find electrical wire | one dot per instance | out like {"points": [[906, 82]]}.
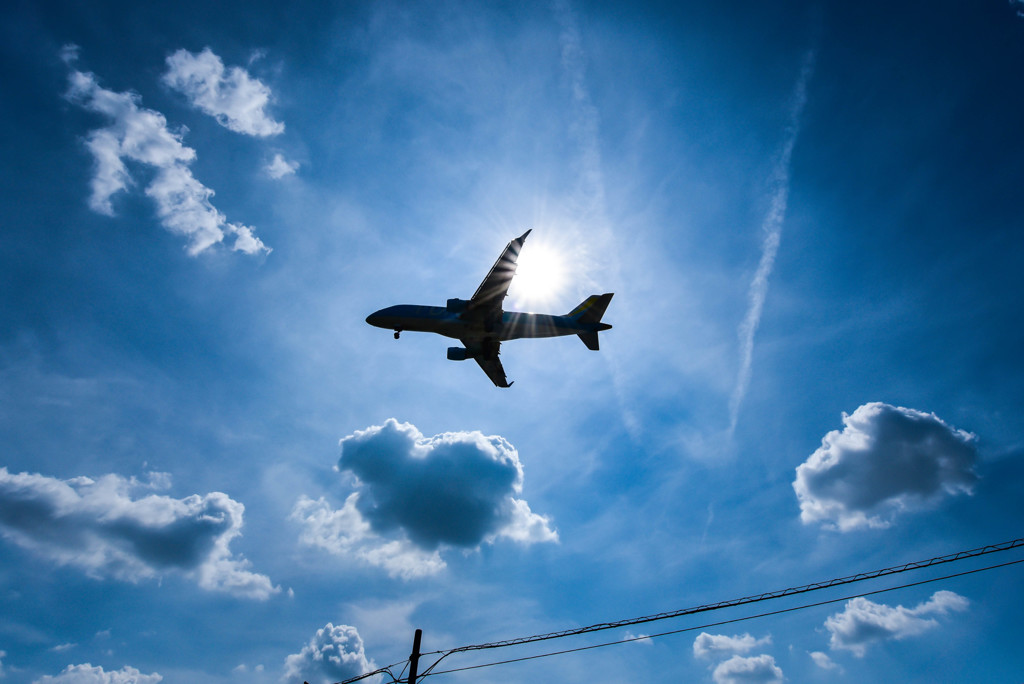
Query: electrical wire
{"points": [[792, 591], [713, 624], [860, 577]]}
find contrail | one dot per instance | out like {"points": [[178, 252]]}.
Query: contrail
{"points": [[772, 228]]}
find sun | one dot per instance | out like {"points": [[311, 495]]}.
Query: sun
{"points": [[540, 276]]}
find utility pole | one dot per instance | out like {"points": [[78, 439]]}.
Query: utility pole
{"points": [[414, 659]]}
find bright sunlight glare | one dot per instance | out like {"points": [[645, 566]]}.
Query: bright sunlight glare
{"points": [[540, 276]]}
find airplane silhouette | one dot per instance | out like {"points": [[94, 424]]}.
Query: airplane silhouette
{"points": [[482, 325]]}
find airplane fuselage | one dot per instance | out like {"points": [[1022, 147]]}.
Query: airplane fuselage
{"points": [[481, 324], [513, 325]]}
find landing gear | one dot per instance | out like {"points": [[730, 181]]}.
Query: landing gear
{"points": [[397, 333]]}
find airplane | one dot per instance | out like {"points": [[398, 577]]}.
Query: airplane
{"points": [[482, 325]]}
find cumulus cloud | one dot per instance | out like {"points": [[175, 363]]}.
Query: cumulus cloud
{"points": [[718, 645], [738, 669], [417, 495], [886, 460], [279, 167], [334, 653], [88, 674], [233, 97], [344, 532], [863, 622], [141, 135], [97, 525]]}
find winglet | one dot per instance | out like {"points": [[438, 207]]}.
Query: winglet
{"points": [[522, 237]]}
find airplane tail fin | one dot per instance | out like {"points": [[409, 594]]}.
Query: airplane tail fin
{"points": [[590, 311]]}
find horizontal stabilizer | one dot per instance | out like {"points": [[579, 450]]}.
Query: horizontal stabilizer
{"points": [[590, 339]]}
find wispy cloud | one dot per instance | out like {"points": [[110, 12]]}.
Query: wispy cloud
{"points": [[417, 495], [141, 135], [886, 460], [279, 167], [585, 124], [100, 526], [864, 622], [824, 662], [771, 227], [233, 97], [334, 653]]}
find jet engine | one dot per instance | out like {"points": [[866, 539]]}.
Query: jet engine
{"points": [[460, 354]]}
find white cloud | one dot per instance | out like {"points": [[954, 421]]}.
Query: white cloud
{"points": [[3, 654], [69, 53], [344, 532], [886, 460], [416, 495], [87, 674], [141, 135], [863, 622], [738, 669], [823, 661], [279, 167], [717, 645], [334, 653], [232, 96], [98, 526]]}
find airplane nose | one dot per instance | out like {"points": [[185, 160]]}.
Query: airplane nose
{"points": [[375, 319]]}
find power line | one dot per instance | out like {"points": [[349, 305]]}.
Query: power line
{"points": [[792, 591], [860, 577], [537, 656]]}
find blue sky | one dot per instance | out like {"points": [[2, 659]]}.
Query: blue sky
{"points": [[214, 470]]}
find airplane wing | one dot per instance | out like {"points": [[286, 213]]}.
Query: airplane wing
{"points": [[485, 353], [489, 296]]}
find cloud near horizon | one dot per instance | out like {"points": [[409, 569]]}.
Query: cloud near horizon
{"points": [[334, 653], [864, 622], [97, 525], [886, 460], [141, 135], [418, 495], [89, 674], [234, 98]]}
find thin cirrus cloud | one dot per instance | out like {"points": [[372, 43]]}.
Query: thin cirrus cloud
{"points": [[335, 653], [772, 229], [140, 135], [98, 525], [95, 674], [885, 461], [234, 98], [416, 496], [864, 622]]}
